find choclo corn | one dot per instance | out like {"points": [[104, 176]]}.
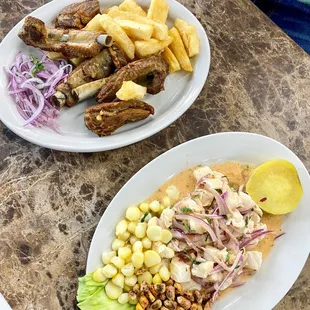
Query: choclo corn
{"points": [[154, 233], [128, 270], [164, 273], [98, 275], [121, 227], [161, 250], [133, 213], [137, 259], [147, 277], [157, 279], [166, 201], [109, 271], [144, 207], [132, 227], [119, 280], [153, 221], [151, 258], [131, 281], [167, 253], [127, 246], [133, 239], [147, 243], [106, 257], [128, 260], [137, 246], [124, 252], [172, 192], [118, 262], [123, 299], [113, 291], [140, 230], [125, 236], [117, 243], [166, 236], [127, 288], [155, 269], [155, 206]]}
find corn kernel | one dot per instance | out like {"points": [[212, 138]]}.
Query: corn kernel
{"points": [[151, 258], [155, 206], [132, 227], [166, 236], [157, 279], [106, 257], [128, 260], [127, 246], [147, 243], [140, 230], [137, 259], [154, 233], [126, 288], [118, 262], [133, 213], [164, 273], [144, 207], [109, 271], [98, 275], [128, 270], [121, 227], [166, 202], [133, 239], [161, 250], [123, 299], [99, 117], [117, 243], [113, 291], [137, 246], [119, 280], [168, 253], [125, 236], [172, 192], [153, 221], [124, 252], [131, 281], [147, 277], [155, 269]]}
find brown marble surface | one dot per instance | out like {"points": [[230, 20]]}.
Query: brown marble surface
{"points": [[52, 201]]}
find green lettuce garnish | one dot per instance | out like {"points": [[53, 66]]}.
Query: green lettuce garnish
{"points": [[91, 296]]}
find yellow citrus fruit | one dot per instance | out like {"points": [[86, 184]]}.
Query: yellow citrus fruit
{"points": [[275, 186]]}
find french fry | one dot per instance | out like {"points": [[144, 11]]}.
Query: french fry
{"points": [[160, 30], [171, 59], [151, 47], [94, 24], [132, 6], [178, 49], [118, 35], [55, 55], [107, 10], [189, 36], [158, 11], [136, 31]]}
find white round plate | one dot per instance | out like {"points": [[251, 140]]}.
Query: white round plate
{"points": [[288, 256], [181, 90]]}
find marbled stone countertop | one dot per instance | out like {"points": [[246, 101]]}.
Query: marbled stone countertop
{"points": [[52, 201]]}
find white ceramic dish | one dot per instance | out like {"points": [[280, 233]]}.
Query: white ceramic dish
{"points": [[181, 90], [287, 258]]}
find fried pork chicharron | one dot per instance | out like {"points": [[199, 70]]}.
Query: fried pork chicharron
{"points": [[88, 71], [71, 43], [105, 118], [77, 15], [150, 72]]}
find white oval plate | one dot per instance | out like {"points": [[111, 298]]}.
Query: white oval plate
{"points": [[182, 89], [287, 258]]}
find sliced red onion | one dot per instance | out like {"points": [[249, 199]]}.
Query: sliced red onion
{"points": [[279, 235], [247, 241], [210, 216]]}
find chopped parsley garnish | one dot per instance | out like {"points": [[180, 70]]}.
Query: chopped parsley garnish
{"points": [[219, 190], [247, 167], [192, 259], [188, 228], [246, 221], [208, 220], [196, 196], [237, 266], [227, 257], [186, 210], [38, 65], [144, 216]]}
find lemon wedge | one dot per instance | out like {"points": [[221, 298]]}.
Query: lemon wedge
{"points": [[275, 186]]}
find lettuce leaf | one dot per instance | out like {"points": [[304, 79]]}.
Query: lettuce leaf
{"points": [[91, 296]]}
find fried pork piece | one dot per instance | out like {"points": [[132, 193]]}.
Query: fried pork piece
{"points": [[150, 72], [90, 70], [105, 118], [118, 56], [77, 15], [71, 43]]}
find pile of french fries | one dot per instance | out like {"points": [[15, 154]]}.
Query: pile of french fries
{"points": [[142, 34]]}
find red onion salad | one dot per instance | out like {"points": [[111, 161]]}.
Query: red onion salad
{"points": [[32, 81], [215, 230]]}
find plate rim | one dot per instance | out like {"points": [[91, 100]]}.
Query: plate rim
{"points": [[302, 168], [98, 144]]}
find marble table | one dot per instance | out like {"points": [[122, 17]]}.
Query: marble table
{"points": [[52, 201]]}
